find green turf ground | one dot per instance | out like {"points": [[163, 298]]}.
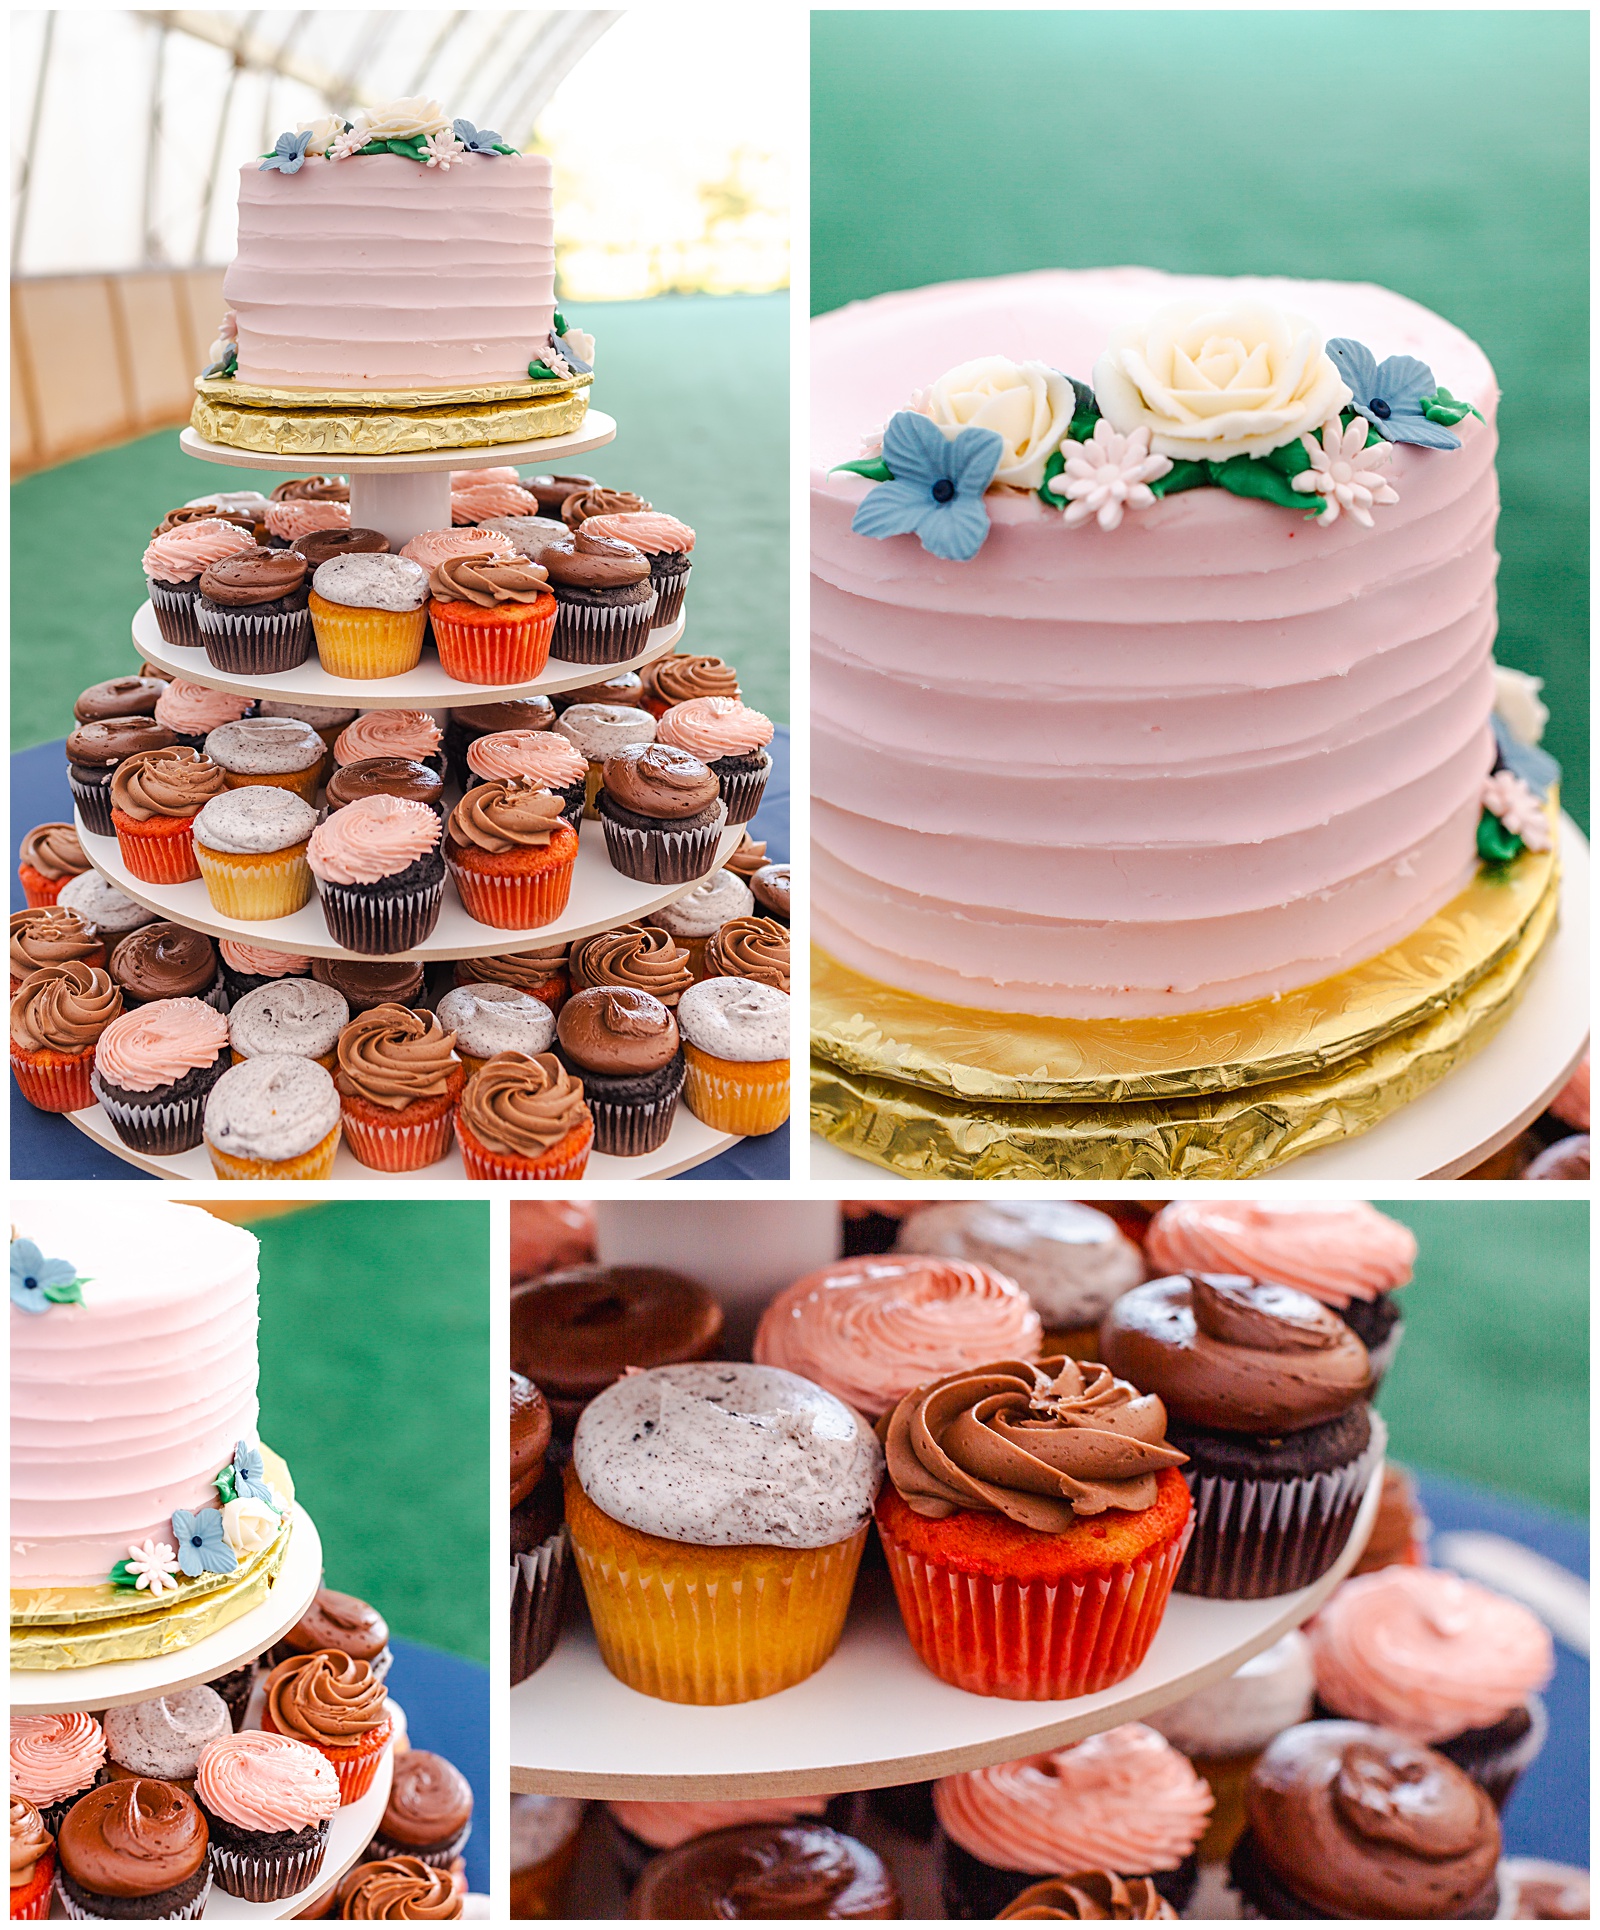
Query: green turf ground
{"points": [[700, 390], [375, 1390], [1441, 154]]}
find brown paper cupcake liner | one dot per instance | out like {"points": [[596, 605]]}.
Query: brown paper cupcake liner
{"points": [[175, 615], [670, 592], [267, 1876], [380, 926], [438, 1856], [160, 1129], [94, 806], [627, 1130], [602, 632], [538, 1594], [246, 645], [742, 792], [662, 857], [188, 1912], [1253, 1539]]}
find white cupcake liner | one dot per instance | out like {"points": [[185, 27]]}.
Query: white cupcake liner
{"points": [[267, 1876], [190, 1912]]}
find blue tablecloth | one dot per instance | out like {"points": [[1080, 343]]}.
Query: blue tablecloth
{"points": [[44, 1146], [446, 1703]]}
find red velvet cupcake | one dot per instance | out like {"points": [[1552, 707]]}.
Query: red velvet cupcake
{"points": [[492, 620], [511, 853], [399, 1078], [48, 856]]}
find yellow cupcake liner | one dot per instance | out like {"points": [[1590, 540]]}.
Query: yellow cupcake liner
{"points": [[708, 1625], [255, 885], [731, 1096], [367, 643], [304, 783], [316, 1164]]}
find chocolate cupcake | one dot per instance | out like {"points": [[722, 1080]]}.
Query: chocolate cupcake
{"points": [[254, 614], [769, 886], [542, 973], [319, 546], [93, 753], [167, 961], [386, 777], [466, 724], [136, 1849], [640, 1831], [666, 543], [541, 1554], [732, 740], [663, 814], [118, 697], [429, 1812], [642, 957], [624, 1045], [379, 867], [605, 602], [769, 1870], [175, 560], [154, 1069], [246, 968], [753, 948], [269, 1802], [625, 691], [366, 982], [581, 506], [550, 492], [1265, 1390], [747, 858], [342, 1622]]}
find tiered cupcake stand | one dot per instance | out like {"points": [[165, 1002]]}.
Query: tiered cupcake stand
{"points": [[402, 495], [110, 1685]]}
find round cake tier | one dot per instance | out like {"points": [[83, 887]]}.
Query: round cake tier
{"points": [[598, 429], [425, 688], [871, 1716], [602, 898]]}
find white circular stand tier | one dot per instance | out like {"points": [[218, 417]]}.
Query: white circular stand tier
{"points": [[871, 1716], [1455, 1125], [425, 688], [602, 899]]}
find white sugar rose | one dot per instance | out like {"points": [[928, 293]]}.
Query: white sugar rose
{"points": [[1030, 405], [581, 342], [1516, 697], [1210, 383], [323, 132], [249, 1525], [404, 120]]}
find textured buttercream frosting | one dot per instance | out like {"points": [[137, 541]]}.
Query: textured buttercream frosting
{"points": [[719, 896], [165, 1736], [487, 1019], [1335, 1250], [735, 1018], [1208, 756], [296, 1016], [1245, 1710], [271, 1107]]}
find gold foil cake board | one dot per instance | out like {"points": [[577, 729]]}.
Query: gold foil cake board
{"points": [[1229, 1135], [866, 1028], [312, 424]]}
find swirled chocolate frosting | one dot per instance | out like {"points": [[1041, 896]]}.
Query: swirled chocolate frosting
{"points": [[393, 1056], [640, 956], [1092, 1896], [399, 1889], [133, 1837], [164, 961], [173, 783], [486, 580], [326, 1697], [597, 500], [49, 935], [617, 1030], [257, 576], [594, 563], [660, 781], [54, 851], [1038, 1442], [525, 971], [674, 680], [1240, 1355], [755, 948], [312, 489], [30, 1840], [522, 1106], [429, 1800], [530, 1436], [748, 859], [63, 1008], [768, 1871], [506, 814]]}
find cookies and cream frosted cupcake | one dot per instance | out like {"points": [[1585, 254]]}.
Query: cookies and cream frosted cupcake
{"points": [[712, 1488], [736, 1043], [753, 948], [529, 535], [273, 1117], [107, 911], [491, 1018], [702, 911], [270, 1803], [165, 1736], [278, 751], [251, 846], [369, 614], [47, 857], [296, 1016], [642, 957]]}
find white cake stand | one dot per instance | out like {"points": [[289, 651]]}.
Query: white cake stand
{"points": [[871, 1716]]}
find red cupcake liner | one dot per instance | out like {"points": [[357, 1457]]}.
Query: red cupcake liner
{"points": [[399, 1145], [37, 889], [1033, 1641], [494, 653], [158, 857], [30, 1901], [511, 902], [565, 1160], [52, 1081]]}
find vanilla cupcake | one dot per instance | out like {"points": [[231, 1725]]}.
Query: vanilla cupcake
{"points": [[736, 1042], [277, 751], [369, 614], [273, 1117], [487, 1019], [251, 847]]}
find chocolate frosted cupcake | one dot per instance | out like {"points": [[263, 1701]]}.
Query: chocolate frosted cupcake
{"points": [[492, 619], [1350, 1821], [769, 885], [429, 1813], [1090, 1896], [366, 982], [748, 857], [342, 1622], [48, 856], [541, 1554], [93, 753], [270, 1803], [729, 737], [166, 961], [523, 1116], [253, 612], [118, 697], [665, 541], [663, 814], [752, 948], [155, 798], [605, 602], [400, 777], [154, 1070], [539, 757], [319, 546], [399, 1078], [51, 935], [1265, 1390], [602, 730], [641, 957], [57, 1016], [542, 973], [510, 853], [769, 1870], [312, 489], [379, 867], [33, 1863], [336, 1704], [641, 1830], [137, 1849], [695, 918], [174, 562], [674, 680], [594, 499], [550, 492], [623, 1044], [400, 1888]]}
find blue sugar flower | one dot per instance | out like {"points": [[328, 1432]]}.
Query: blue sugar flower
{"points": [[479, 140], [37, 1284], [202, 1546], [288, 153], [1390, 394], [936, 487], [249, 1476]]}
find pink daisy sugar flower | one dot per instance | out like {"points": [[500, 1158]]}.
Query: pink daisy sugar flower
{"points": [[1517, 806], [1106, 475], [1345, 473]]}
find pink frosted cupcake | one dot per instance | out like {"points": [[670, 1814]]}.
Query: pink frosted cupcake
{"points": [[390, 733], [154, 1068], [1442, 1661], [729, 737], [1344, 1253], [435, 546], [475, 494], [543, 756], [54, 1759], [379, 867], [289, 521], [871, 1329], [666, 543], [269, 1802], [246, 968], [175, 561], [192, 711]]}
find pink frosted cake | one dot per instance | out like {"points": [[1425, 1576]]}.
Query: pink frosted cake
{"points": [[1151, 667]]}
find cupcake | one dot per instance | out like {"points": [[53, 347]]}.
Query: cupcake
{"points": [[576, 1330], [1123, 1800], [674, 680], [401, 777], [166, 961], [369, 613], [758, 1869], [50, 935], [251, 847], [550, 1234], [475, 494], [33, 1863], [58, 1014], [155, 798], [600, 731], [293, 1018], [695, 918], [871, 1330], [1265, 1390], [93, 753], [623, 1045], [269, 1802], [593, 499], [1438, 1660], [1349, 1821], [166, 1736], [538, 757], [380, 874], [468, 722], [641, 1830], [193, 711], [1070, 1260], [492, 620], [622, 690], [605, 603], [1224, 1727], [366, 982], [540, 1551], [253, 612], [1400, 1532], [134, 1849], [729, 737], [280, 752], [642, 957], [666, 544], [1090, 1895], [118, 697], [343, 1623], [510, 852], [174, 562], [336, 1704], [488, 1019], [435, 546], [155, 1068], [752, 948], [747, 858], [54, 1759], [399, 1078], [390, 733], [1344, 1253], [717, 1515], [273, 1117], [736, 1040], [401, 1887], [311, 489], [663, 814], [47, 858], [246, 968], [769, 885], [524, 1116], [327, 720], [235, 1688], [106, 911], [287, 520], [319, 546], [542, 974], [552, 491], [1034, 1519], [429, 1813], [530, 536]]}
